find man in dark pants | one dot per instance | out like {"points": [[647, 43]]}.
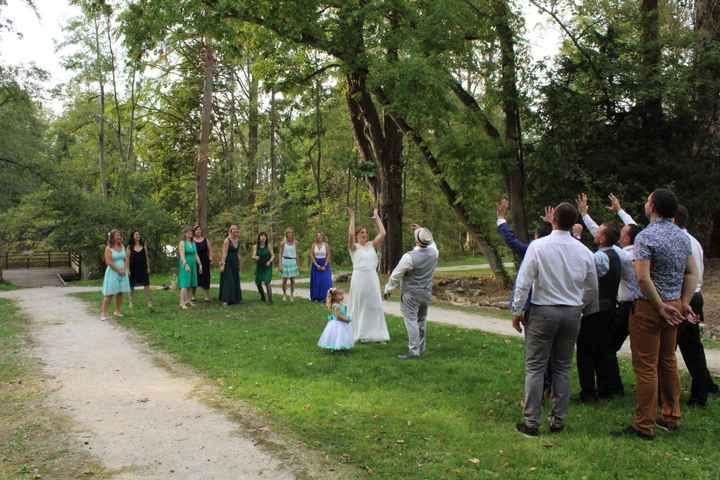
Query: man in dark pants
{"points": [[594, 348], [688, 337]]}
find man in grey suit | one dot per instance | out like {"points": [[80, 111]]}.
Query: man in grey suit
{"points": [[414, 275]]}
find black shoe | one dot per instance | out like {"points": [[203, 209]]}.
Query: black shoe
{"points": [[527, 431], [585, 398], [696, 402], [713, 389], [409, 356], [631, 432], [556, 428], [665, 425]]}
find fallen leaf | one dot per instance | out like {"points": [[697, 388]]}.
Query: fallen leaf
{"points": [[474, 461]]}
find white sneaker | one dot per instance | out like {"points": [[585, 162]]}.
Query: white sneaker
{"points": [[104, 318]]}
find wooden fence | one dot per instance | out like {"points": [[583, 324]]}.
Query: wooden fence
{"points": [[45, 259]]}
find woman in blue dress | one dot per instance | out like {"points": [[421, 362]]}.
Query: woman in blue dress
{"points": [[116, 281], [289, 262], [320, 272]]}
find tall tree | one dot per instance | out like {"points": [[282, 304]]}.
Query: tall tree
{"points": [[201, 193]]}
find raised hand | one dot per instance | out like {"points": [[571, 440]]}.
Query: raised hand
{"points": [[549, 214], [351, 212], [375, 215], [577, 231], [614, 204], [502, 208], [582, 204]]}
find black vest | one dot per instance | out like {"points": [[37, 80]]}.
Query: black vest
{"points": [[609, 283]]}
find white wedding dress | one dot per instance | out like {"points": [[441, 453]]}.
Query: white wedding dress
{"points": [[366, 310]]}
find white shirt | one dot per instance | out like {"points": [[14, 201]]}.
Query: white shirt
{"points": [[629, 289], [698, 255], [405, 265], [561, 271]]}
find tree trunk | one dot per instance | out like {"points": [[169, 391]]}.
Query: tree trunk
{"points": [[253, 139], [319, 133], [131, 129], [201, 194], [514, 164], [651, 99], [118, 112], [104, 185], [478, 231], [707, 74], [380, 143]]}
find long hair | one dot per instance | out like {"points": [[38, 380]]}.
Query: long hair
{"points": [[111, 237], [331, 296], [131, 241], [267, 239], [229, 234]]}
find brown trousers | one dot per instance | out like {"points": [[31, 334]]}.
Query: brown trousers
{"points": [[653, 342]]}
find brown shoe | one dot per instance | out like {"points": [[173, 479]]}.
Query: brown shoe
{"points": [[665, 425]]}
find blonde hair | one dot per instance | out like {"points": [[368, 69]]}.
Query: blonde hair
{"points": [[229, 232], [188, 228], [289, 230], [331, 297], [111, 236]]}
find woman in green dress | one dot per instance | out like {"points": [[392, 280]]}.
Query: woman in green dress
{"points": [[188, 267], [230, 293], [263, 255]]}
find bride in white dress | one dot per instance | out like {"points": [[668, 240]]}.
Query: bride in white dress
{"points": [[366, 308]]}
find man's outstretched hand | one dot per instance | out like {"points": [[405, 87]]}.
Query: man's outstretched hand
{"points": [[502, 208]]}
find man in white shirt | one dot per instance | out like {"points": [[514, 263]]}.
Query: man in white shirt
{"points": [[414, 274], [688, 337], [561, 272]]}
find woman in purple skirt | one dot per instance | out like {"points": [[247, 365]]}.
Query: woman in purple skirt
{"points": [[320, 273]]}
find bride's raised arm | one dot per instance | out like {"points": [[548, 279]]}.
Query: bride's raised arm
{"points": [[351, 230], [377, 242]]}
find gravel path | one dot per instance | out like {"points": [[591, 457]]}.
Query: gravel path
{"points": [[138, 418]]}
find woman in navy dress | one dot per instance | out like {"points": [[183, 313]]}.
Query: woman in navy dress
{"points": [[320, 272], [204, 256]]}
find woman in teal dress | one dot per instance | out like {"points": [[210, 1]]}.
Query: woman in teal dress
{"points": [[263, 255], [230, 293], [116, 281], [187, 268]]}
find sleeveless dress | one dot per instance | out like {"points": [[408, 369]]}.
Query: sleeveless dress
{"points": [[320, 282], [138, 268], [114, 283], [203, 255], [289, 261], [230, 277], [366, 307], [188, 279], [263, 273], [337, 335]]}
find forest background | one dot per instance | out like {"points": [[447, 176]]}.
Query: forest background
{"points": [[275, 114]]}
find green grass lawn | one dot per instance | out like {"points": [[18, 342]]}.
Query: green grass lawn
{"points": [[35, 440], [448, 416], [5, 286]]}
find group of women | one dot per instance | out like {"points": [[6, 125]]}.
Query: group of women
{"points": [[128, 266]]}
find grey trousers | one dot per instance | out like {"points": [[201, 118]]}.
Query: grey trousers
{"points": [[414, 311], [549, 332]]}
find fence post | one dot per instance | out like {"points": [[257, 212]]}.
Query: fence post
{"points": [[49, 261], [7, 260], [27, 262], [80, 265]]}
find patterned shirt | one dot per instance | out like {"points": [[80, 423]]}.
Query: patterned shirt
{"points": [[667, 248]]}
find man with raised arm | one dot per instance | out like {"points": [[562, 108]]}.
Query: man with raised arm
{"points": [[667, 276], [561, 272], [597, 342]]}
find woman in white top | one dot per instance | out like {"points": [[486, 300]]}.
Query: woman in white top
{"points": [[289, 262], [320, 273], [366, 308]]}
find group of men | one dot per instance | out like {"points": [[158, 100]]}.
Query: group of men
{"points": [[645, 283]]}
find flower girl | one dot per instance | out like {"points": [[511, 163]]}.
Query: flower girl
{"points": [[338, 334]]}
